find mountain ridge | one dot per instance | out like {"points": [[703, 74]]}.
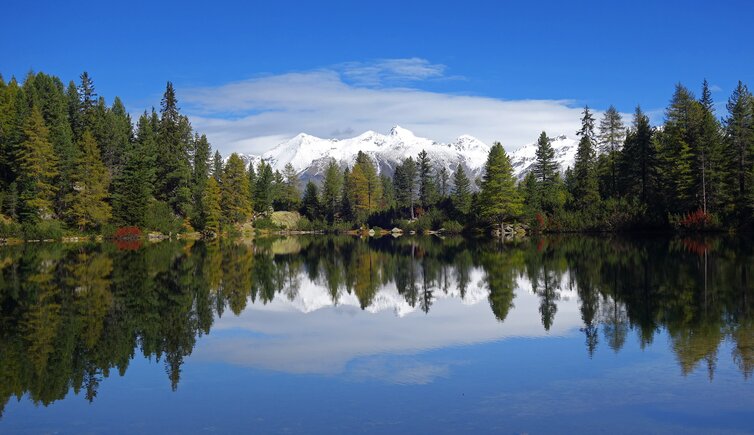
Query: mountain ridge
{"points": [[309, 155]]}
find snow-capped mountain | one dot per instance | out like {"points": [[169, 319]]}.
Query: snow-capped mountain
{"points": [[309, 155], [565, 154]]}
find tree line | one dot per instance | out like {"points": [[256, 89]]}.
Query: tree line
{"points": [[71, 162]]}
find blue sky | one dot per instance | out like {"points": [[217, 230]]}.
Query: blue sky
{"points": [[572, 53]]}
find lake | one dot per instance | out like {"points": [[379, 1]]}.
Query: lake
{"points": [[414, 334]]}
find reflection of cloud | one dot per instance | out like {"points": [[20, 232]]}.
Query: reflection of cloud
{"points": [[279, 336], [404, 372], [253, 115]]}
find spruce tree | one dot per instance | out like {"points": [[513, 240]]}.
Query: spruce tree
{"points": [[739, 150], [235, 191], [426, 183], [201, 173], [291, 190], [263, 189], [442, 181], [211, 210], [585, 190], [88, 206], [678, 143], [405, 181], [173, 143], [461, 195], [252, 180], [86, 107], [133, 186], [710, 159], [611, 138], [310, 206], [217, 167], [499, 198], [332, 188], [38, 168], [638, 160]]}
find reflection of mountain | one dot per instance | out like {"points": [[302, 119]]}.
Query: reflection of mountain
{"points": [[72, 315]]}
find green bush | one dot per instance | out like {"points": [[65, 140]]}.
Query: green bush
{"points": [[160, 218], [9, 229], [43, 230], [452, 227], [265, 223]]}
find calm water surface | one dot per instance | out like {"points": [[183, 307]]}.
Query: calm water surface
{"points": [[341, 335]]}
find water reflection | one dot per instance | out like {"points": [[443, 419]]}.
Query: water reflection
{"points": [[71, 314]]}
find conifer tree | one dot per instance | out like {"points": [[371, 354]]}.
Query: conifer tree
{"points": [[38, 168], [201, 173], [86, 106], [252, 180], [739, 149], [88, 207], [133, 186], [426, 184], [499, 198], [173, 143], [291, 195], [678, 142], [638, 159], [611, 138], [710, 158], [263, 189], [211, 211], [217, 167], [332, 188], [310, 206], [585, 190], [388, 193], [406, 184], [461, 195], [442, 181], [235, 191], [346, 206]]}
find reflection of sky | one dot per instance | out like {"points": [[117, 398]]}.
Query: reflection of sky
{"points": [[302, 366], [279, 336]]}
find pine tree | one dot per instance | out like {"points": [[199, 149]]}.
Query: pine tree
{"points": [[499, 197], [611, 138], [710, 158], [406, 184], [346, 206], [211, 211], [585, 190], [426, 184], [263, 189], [173, 143], [365, 188], [739, 149], [461, 195], [202, 153], [332, 188], [678, 143], [133, 187], [252, 180], [442, 181], [217, 166], [88, 207], [38, 168], [291, 193], [235, 191], [86, 106], [310, 206], [388, 193], [638, 161]]}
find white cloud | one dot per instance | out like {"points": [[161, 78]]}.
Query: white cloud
{"points": [[253, 115]]}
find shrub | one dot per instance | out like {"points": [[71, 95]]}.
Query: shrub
{"points": [[43, 230], [127, 233], [160, 217], [9, 228], [452, 227]]}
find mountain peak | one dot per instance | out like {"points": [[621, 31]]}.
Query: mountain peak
{"points": [[399, 131]]}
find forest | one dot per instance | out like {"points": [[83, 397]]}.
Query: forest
{"points": [[70, 163]]}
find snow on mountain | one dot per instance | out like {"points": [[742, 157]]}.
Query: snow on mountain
{"points": [[565, 154], [309, 155]]}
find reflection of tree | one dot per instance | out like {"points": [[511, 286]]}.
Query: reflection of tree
{"points": [[71, 314]]}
